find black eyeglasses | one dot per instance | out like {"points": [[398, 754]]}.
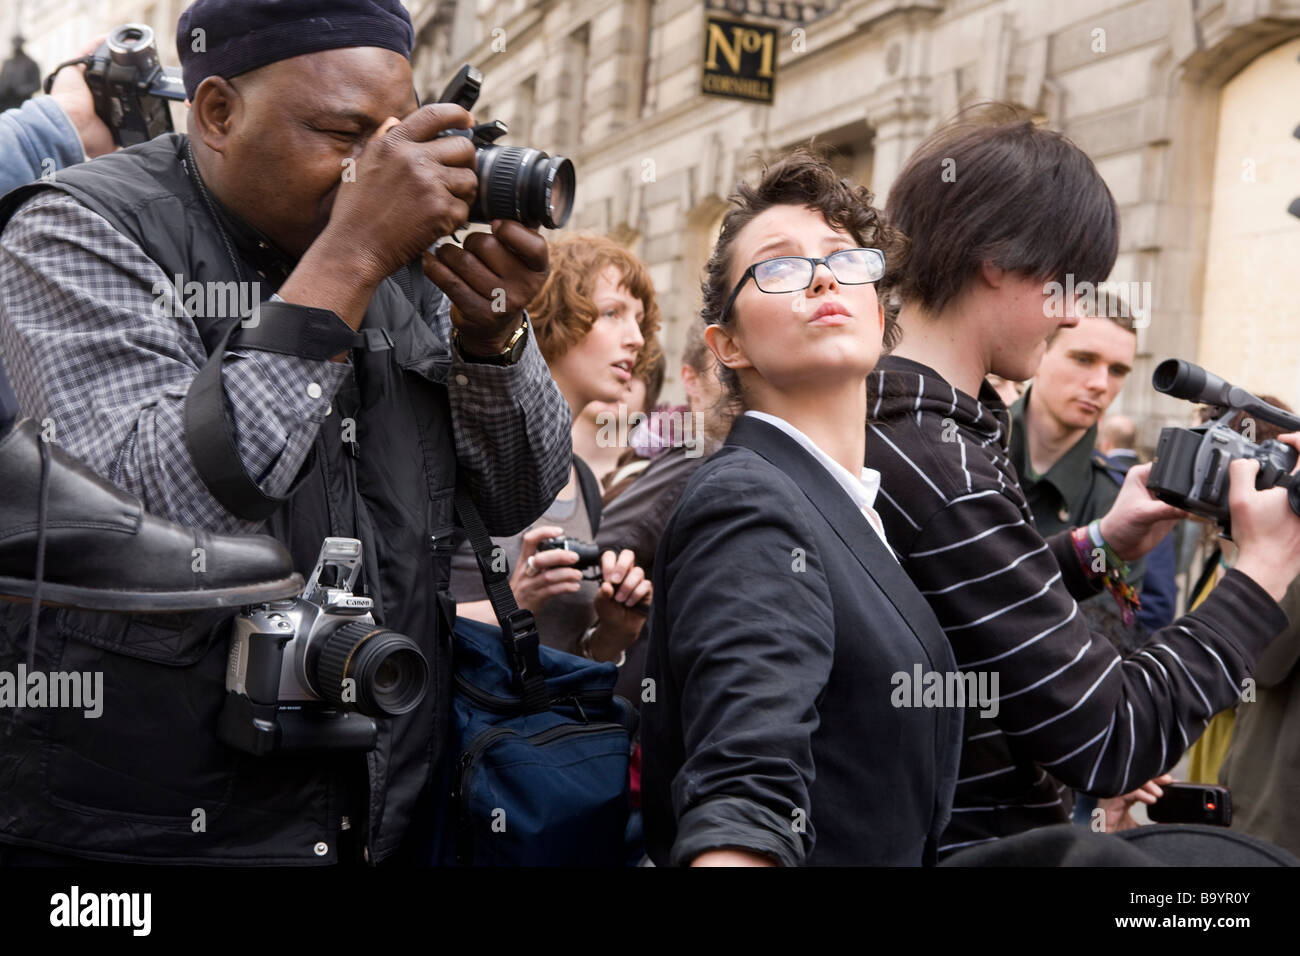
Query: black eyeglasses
{"points": [[794, 273]]}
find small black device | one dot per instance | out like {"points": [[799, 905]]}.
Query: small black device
{"points": [[514, 182], [588, 555], [314, 672], [588, 561], [130, 87], [1193, 803], [1191, 466]]}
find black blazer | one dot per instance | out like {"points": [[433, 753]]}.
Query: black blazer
{"points": [[779, 620]]}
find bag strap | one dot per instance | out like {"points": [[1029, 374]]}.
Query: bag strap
{"points": [[590, 492], [518, 628]]}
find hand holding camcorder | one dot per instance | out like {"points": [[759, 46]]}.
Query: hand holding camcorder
{"points": [[1191, 467]]}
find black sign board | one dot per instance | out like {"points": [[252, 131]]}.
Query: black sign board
{"points": [[739, 60]]}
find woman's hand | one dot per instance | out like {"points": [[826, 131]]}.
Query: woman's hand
{"points": [[617, 621], [539, 576]]}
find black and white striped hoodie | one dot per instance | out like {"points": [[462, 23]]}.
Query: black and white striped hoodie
{"points": [[1070, 707]]}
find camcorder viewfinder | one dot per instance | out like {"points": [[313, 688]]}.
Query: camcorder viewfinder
{"points": [[131, 89], [1191, 466], [514, 182]]}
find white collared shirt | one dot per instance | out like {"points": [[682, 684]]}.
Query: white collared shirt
{"points": [[862, 490]]}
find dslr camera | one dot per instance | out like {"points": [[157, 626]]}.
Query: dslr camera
{"points": [[514, 182], [130, 87], [1191, 467], [315, 672]]}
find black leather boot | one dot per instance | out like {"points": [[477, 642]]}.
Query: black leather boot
{"points": [[70, 538]]}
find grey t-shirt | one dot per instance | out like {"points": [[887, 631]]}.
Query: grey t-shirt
{"points": [[563, 618]]}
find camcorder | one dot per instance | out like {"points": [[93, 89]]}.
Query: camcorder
{"points": [[131, 89], [315, 672], [1191, 465], [514, 182]]}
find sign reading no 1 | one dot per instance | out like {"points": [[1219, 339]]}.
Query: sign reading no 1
{"points": [[739, 60]]}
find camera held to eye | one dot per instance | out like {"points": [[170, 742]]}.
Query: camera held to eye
{"points": [[1191, 467], [313, 673], [514, 182], [130, 87]]}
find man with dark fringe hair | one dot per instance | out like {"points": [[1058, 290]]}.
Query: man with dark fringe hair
{"points": [[995, 210]]}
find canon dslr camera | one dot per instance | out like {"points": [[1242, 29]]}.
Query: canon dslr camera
{"points": [[1191, 467], [315, 672], [514, 182]]}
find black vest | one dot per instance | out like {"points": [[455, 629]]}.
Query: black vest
{"points": [[127, 785]]}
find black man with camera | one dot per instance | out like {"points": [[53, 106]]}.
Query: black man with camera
{"points": [[243, 327]]}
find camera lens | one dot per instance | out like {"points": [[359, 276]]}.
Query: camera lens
{"points": [[389, 674], [518, 182]]}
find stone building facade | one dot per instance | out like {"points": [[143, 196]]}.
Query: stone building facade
{"points": [[1185, 106]]}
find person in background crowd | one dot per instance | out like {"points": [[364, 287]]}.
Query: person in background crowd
{"points": [[637, 507], [603, 433], [48, 133], [1205, 756], [1262, 763], [1117, 440], [681, 435], [977, 296], [1007, 390], [596, 321], [780, 612]]}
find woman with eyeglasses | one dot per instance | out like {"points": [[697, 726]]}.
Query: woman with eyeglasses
{"points": [[786, 641]]}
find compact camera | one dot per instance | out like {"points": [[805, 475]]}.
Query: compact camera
{"points": [[514, 182], [130, 87], [588, 554], [1191, 466], [315, 672]]}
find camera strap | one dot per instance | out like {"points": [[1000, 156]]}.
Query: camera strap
{"points": [[288, 329], [518, 628]]}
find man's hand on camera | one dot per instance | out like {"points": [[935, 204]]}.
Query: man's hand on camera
{"points": [[1138, 521], [409, 189], [70, 91], [490, 279]]}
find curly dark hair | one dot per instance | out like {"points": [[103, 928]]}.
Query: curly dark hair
{"points": [[799, 178]]}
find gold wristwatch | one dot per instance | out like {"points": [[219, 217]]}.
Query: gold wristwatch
{"points": [[509, 355]]}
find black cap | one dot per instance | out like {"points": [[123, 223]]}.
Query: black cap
{"points": [[242, 35]]}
